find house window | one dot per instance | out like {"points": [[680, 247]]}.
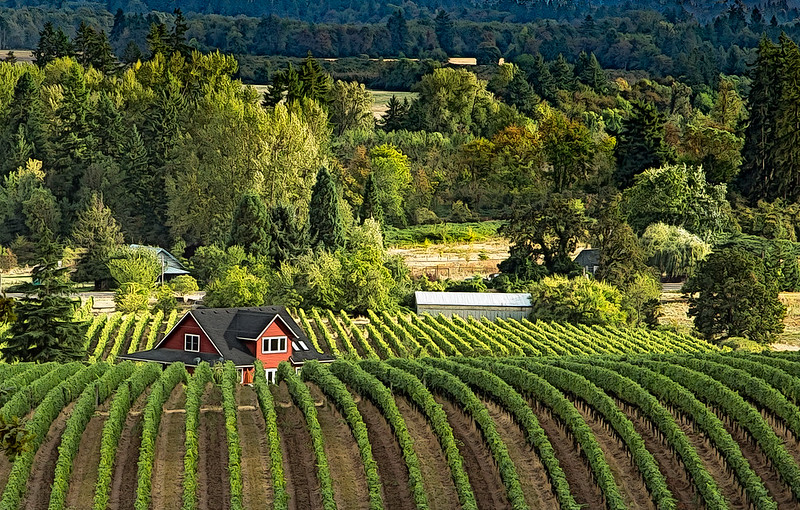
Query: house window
{"points": [[271, 344], [191, 343], [270, 374]]}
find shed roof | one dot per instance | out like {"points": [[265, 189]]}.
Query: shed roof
{"points": [[476, 299], [588, 257], [172, 266]]}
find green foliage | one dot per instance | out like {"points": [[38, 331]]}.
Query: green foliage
{"points": [[326, 225], [136, 271], [229, 381], [350, 106], [97, 232], [14, 437], [733, 294], [251, 225], [453, 100], [267, 405], [578, 301], [672, 250], [183, 284], [641, 143], [165, 299], [236, 287], [45, 328]]}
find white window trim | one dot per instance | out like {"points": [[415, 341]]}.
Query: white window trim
{"points": [[186, 339], [266, 340], [270, 372]]}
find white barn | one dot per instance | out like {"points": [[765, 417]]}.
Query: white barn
{"points": [[476, 304]]}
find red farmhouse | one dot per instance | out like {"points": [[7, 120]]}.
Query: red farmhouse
{"points": [[241, 335]]}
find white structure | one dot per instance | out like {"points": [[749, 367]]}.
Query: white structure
{"points": [[476, 304]]}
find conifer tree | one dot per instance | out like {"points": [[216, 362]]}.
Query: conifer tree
{"points": [[562, 73], [589, 72], [23, 136], [326, 226], [398, 31], [177, 38], [157, 39], [250, 225], [45, 328], [53, 44], [786, 181], [758, 153], [542, 80], [97, 232], [288, 236], [315, 82], [641, 144], [396, 116], [445, 33], [371, 205]]}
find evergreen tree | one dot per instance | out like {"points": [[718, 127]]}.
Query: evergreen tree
{"points": [[324, 215], [445, 32], [135, 171], [157, 39], [101, 56], [589, 72], [398, 32], [396, 116], [23, 136], [288, 236], [250, 226], [315, 82], [132, 53], [53, 44], [84, 37], [786, 148], [542, 80], [98, 234], [641, 144], [562, 73], [371, 205], [177, 38], [45, 328], [758, 153], [118, 28]]}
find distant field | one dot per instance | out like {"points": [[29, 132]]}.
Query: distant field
{"points": [[379, 98]]}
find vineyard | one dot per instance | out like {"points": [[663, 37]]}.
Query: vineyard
{"points": [[384, 336], [710, 430]]}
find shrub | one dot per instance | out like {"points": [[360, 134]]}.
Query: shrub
{"points": [[578, 301]]}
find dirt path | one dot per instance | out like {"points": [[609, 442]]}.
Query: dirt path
{"points": [[40, 481], [761, 465], [84, 467], [347, 468], [386, 451], [167, 488], [715, 464], [532, 475], [298, 459], [626, 474], [123, 481], [576, 469], [484, 476], [256, 478], [212, 465], [678, 481]]}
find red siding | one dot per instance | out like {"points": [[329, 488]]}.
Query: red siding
{"points": [[277, 328], [187, 325]]}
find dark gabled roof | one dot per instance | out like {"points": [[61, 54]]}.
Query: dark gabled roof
{"points": [[588, 257]]}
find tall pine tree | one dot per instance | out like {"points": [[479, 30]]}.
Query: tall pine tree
{"points": [[288, 236], [641, 144], [326, 225], [250, 226], [98, 234], [371, 205]]}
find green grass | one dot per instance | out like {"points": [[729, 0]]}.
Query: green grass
{"points": [[442, 233]]}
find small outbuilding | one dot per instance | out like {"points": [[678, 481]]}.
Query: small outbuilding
{"points": [[491, 305], [589, 260], [170, 265]]}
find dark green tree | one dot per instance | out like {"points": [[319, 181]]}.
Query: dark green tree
{"points": [[445, 33], [542, 80], [398, 32], [250, 226], [98, 234], [589, 72], [46, 329], [488, 54], [641, 144], [326, 225], [24, 136], [732, 294], [177, 38], [53, 44], [396, 116], [132, 53], [562, 73], [371, 205], [288, 235], [158, 40], [315, 82]]}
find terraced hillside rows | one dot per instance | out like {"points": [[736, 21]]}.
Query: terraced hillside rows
{"points": [[384, 336], [707, 430]]}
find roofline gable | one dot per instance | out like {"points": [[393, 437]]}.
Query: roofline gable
{"points": [[277, 316], [198, 325]]}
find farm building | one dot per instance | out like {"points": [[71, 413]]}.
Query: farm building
{"points": [[589, 260], [491, 305], [241, 335], [170, 265]]}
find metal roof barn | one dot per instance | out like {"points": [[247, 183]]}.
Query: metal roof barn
{"points": [[474, 304]]}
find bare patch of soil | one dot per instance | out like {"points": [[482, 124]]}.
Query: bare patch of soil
{"points": [[123, 481], [84, 466], [436, 474], [532, 475], [484, 476], [669, 463], [40, 481], [576, 469], [299, 464], [387, 454], [256, 478], [347, 468], [626, 474], [167, 488], [212, 465]]}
